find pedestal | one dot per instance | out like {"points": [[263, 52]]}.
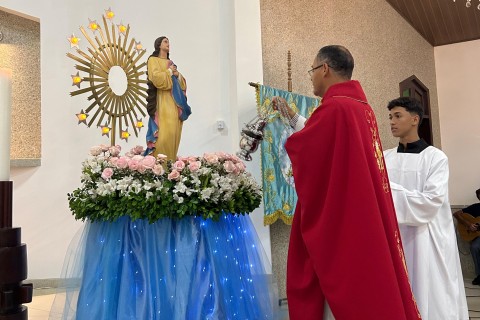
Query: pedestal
{"points": [[13, 262]]}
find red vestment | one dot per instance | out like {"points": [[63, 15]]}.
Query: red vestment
{"points": [[345, 245]]}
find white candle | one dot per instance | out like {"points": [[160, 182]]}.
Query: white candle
{"points": [[5, 116]]}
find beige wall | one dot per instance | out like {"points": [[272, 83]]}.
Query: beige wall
{"points": [[20, 51], [386, 50], [458, 70]]}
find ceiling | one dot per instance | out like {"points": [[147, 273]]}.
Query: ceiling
{"points": [[441, 22]]}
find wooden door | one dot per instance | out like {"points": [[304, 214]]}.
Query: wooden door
{"points": [[414, 88]]}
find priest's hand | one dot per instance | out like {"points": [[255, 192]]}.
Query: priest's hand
{"points": [[281, 105]]}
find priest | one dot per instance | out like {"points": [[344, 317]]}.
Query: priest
{"points": [[345, 258], [418, 176]]}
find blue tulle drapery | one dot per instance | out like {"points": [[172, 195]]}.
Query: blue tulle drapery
{"points": [[171, 269]]}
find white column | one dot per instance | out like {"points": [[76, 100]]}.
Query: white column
{"points": [[5, 116], [248, 53]]}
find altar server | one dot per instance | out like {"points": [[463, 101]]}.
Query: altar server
{"points": [[418, 176]]}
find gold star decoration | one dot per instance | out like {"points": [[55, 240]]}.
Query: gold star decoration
{"points": [[122, 28], [139, 124], [124, 135], [92, 25], [109, 14], [73, 41], [112, 114], [76, 80], [138, 46], [105, 130], [82, 117]]}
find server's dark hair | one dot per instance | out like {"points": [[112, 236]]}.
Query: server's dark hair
{"points": [[410, 104]]}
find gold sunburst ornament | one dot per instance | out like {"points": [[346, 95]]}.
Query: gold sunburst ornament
{"points": [[111, 58]]}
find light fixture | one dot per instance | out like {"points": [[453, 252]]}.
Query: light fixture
{"points": [[468, 4]]}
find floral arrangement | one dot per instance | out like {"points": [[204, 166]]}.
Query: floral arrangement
{"points": [[147, 187]]}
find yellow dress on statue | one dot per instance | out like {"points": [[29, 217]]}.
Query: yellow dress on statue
{"points": [[169, 124]]}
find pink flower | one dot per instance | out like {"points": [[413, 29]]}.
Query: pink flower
{"points": [[107, 173], [129, 154], [240, 166], [194, 165], [158, 170], [137, 150], [211, 158], [161, 157], [104, 147], [114, 151], [179, 165], [192, 159], [229, 166], [113, 160], [174, 175], [122, 162], [95, 151], [133, 164], [137, 157], [236, 159], [184, 159], [221, 155], [149, 162], [141, 168]]}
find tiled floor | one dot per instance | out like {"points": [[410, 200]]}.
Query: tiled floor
{"points": [[43, 299], [39, 308], [473, 299]]}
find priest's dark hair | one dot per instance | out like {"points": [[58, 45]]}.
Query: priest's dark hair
{"points": [[152, 90], [338, 58], [410, 104]]}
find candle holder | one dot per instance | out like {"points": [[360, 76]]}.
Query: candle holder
{"points": [[13, 266]]}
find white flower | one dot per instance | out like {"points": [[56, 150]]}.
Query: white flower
{"points": [[135, 187], [148, 185], [103, 189], [96, 168], [196, 181], [204, 171], [206, 193], [177, 198], [180, 187], [158, 185], [148, 194]]}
